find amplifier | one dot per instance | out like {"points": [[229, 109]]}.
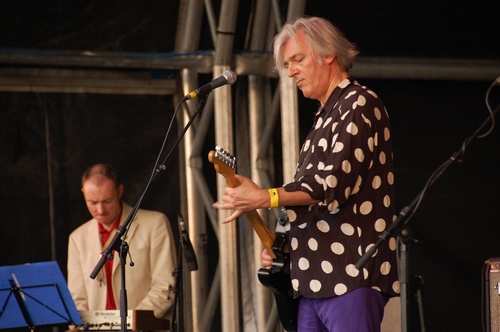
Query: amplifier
{"points": [[492, 282]]}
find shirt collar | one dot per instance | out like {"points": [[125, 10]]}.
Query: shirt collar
{"points": [[115, 224], [334, 96]]}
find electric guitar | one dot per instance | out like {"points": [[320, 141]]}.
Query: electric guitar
{"points": [[277, 278]]}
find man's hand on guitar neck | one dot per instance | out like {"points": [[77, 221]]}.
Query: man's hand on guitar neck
{"points": [[246, 197], [267, 260]]}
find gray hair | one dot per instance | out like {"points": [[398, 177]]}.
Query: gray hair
{"points": [[323, 38]]}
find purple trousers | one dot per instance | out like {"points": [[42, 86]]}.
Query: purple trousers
{"points": [[360, 310]]}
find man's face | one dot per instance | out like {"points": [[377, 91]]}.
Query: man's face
{"points": [[103, 200], [311, 75]]}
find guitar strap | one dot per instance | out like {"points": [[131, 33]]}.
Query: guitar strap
{"points": [[281, 225], [282, 218], [329, 104]]}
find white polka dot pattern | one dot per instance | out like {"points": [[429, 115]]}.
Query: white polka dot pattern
{"points": [[337, 248], [313, 244], [340, 289], [350, 173], [327, 267], [315, 285], [303, 264]]}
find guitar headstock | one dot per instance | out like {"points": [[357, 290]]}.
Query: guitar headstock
{"points": [[224, 162]]}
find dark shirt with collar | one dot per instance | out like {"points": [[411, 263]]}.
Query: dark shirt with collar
{"points": [[346, 162]]}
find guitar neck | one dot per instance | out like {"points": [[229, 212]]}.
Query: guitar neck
{"points": [[226, 168], [266, 237]]}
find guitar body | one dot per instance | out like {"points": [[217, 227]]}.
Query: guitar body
{"points": [[277, 278]]}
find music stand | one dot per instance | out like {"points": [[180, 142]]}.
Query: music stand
{"points": [[35, 295]]}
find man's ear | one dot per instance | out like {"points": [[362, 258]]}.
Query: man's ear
{"points": [[120, 190], [329, 59]]}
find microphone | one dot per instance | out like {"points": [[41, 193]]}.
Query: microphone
{"points": [[228, 77], [187, 247]]}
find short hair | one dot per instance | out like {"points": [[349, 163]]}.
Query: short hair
{"points": [[104, 170], [323, 38]]}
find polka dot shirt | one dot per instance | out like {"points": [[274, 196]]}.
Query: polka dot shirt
{"points": [[350, 171]]}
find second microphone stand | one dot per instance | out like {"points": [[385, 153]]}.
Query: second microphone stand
{"points": [[398, 227], [186, 251]]}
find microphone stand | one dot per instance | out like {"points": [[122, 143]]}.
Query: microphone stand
{"points": [[404, 235], [116, 244], [178, 293], [186, 251], [123, 291]]}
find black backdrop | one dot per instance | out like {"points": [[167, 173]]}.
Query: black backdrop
{"points": [[68, 133], [455, 229]]}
